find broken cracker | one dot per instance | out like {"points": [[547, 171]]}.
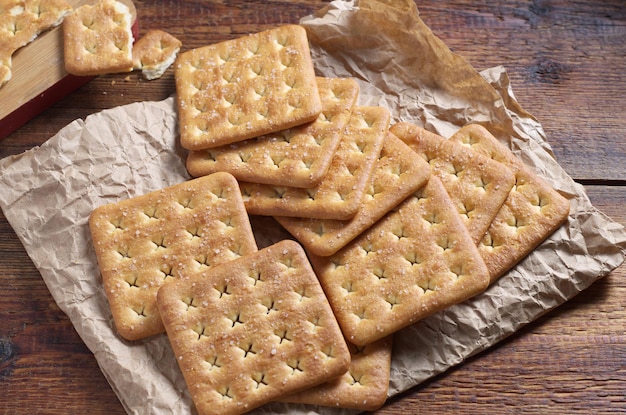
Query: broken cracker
{"points": [[477, 185], [154, 52], [417, 260], [21, 21], [532, 211], [246, 87], [296, 157], [97, 39], [339, 194], [398, 173], [147, 241], [364, 386], [253, 330]]}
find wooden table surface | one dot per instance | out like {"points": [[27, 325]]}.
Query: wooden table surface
{"points": [[567, 63]]}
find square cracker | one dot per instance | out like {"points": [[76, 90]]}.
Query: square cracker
{"points": [[339, 194], [253, 330], [154, 52], [532, 211], [398, 173], [246, 87], [147, 241], [417, 260], [97, 39], [364, 386], [296, 157], [477, 185]]}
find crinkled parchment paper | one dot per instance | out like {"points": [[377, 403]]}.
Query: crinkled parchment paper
{"points": [[47, 194]]}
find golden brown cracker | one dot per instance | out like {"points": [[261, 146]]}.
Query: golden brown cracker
{"points": [[398, 173], [417, 260], [253, 330], [97, 39], [477, 185], [339, 194], [296, 157], [364, 386], [532, 211], [154, 52], [245, 87], [144, 242], [21, 21]]}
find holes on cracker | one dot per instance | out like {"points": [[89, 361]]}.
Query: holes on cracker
{"points": [[295, 366], [190, 302], [283, 336], [213, 363], [348, 286], [413, 258], [123, 251], [195, 232], [131, 280], [392, 301], [225, 392], [426, 286], [445, 243], [203, 260], [200, 331], [380, 273], [248, 349], [223, 290], [329, 351], [270, 305], [356, 379], [259, 379], [255, 276], [159, 243], [167, 271], [141, 311], [302, 293], [117, 223], [235, 319]]}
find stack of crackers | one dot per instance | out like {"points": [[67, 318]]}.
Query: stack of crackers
{"points": [[390, 222]]}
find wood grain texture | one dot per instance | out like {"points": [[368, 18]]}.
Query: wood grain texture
{"points": [[567, 64]]}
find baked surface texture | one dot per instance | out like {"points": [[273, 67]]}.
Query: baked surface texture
{"points": [[339, 194], [147, 241], [97, 39], [364, 386], [296, 157], [417, 260], [398, 173], [21, 21], [154, 52], [246, 87], [477, 184], [532, 211], [255, 329]]}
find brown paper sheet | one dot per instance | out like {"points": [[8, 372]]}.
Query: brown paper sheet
{"points": [[47, 194]]}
